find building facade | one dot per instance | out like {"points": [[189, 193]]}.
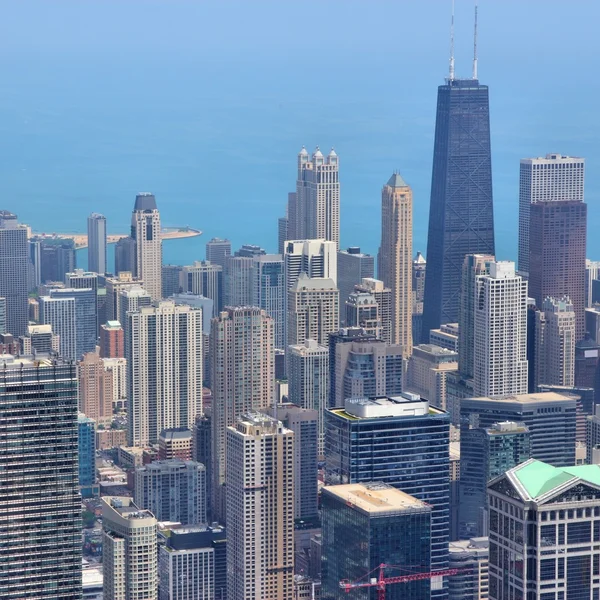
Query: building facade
{"points": [[205, 279], [96, 226], [383, 297], [95, 389], [59, 314], [217, 251], [352, 267]]}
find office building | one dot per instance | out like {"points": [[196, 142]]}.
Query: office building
{"points": [[40, 340], [314, 210], [171, 276], [383, 297], [587, 365], [164, 370], [282, 226], [395, 262], [352, 267], [83, 280], [557, 239], [548, 415], [87, 455], [471, 557], [95, 389], [40, 503], [563, 506], [362, 310], [445, 337], [592, 273], [129, 550], [175, 443], [205, 279], [260, 509], [112, 340], [474, 266], [500, 332], [592, 323], [553, 178], [14, 257], [313, 310], [243, 376], [54, 257], [125, 256], [555, 343], [408, 448], [366, 525], [172, 490], [461, 215], [308, 380], [59, 314], [217, 251], [427, 370], [486, 453], [192, 563], [146, 232], [96, 226]]}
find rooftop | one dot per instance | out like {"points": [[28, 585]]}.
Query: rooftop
{"points": [[403, 405], [396, 181], [534, 398], [144, 201]]}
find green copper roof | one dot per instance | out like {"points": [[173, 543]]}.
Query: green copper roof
{"points": [[396, 181], [539, 478]]}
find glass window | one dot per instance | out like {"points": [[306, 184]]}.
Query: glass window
{"points": [[579, 533]]}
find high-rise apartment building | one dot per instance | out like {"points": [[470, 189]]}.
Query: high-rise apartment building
{"points": [[268, 291], [238, 275], [360, 436], [366, 525], [314, 210], [164, 370], [315, 258], [418, 282], [95, 389], [217, 251], [553, 178], [557, 239], [14, 256], [243, 379], [383, 297], [205, 279], [500, 332], [86, 445], [562, 507], [146, 232], [461, 215], [486, 453], [171, 280], [474, 265], [173, 490], [40, 504], [112, 340], [548, 415], [352, 267], [260, 509], [96, 226], [555, 343], [131, 299], [114, 286], [175, 443], [362, 310], [59, 314], [471, 557], [129, 550], [125, 256], [395, 262]]}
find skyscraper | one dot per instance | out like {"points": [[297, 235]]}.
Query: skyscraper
{"points": [[163, 349], [260, 509], [146, 232], [461, 216], [217, 251], [268, 291], [243, 374], [40, 504], [500, 332], [96, 226], [125, 256], [315, 258], [114, 286], [86, 445], [592, 273], [472, 558], [557, 239], [83, 280], [112, 340], [13, 272], [553, 178], [362, 310], [383, 297], [171, 278], [205, 279], [59, 313], [95, 389], [395, 262], [131, 299], [418, 283], [314, 210], [352, 266]]}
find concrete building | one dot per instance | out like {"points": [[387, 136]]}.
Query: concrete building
{"points": [[217, 251], [114, 286], [472, 558], [59, 314], [173, 490], [95, 389], [175, 443], [315, 258], [96, 226], [238, 280], [40, 503], [427, 370], [243, 379], [129, 550], [446, 336], [125, 250], [112, 340], [260, 509], [146, 232], [395, 262], [366, 525], [164, 369], [171, 280], [562, 505], [362, 310], [268, 291], [205, 279], [40, 340], [383, 297], [117, 367], [352, 267]]}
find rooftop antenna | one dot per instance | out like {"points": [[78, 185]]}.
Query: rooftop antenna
{"points": [[475, 45], [451, 75]]}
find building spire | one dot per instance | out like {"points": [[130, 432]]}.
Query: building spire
{"points": [[451, 74], [475, 45]]}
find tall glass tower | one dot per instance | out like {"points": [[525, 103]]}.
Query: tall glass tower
{"points": [[461, 217]]}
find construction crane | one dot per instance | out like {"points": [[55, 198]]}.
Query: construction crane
{"points": [[381, 581]]}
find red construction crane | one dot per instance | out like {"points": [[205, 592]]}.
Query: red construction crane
{"points": [[381, 581]]}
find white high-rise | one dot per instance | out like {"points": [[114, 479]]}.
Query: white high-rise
{"points": [[60, 314], [500, 332], [96, 225], [163, 349], [316, 258], [146, 232], [260, 509], [553, 178]]}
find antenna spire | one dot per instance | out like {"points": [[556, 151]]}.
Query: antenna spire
{"points": [[451, 74], [475, 45]]}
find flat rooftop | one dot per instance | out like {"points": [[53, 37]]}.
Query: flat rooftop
{"points": [[534, 398], [403, 405], [375, 498]]}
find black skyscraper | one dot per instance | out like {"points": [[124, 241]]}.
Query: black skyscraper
{"points": [[461, 218]]}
